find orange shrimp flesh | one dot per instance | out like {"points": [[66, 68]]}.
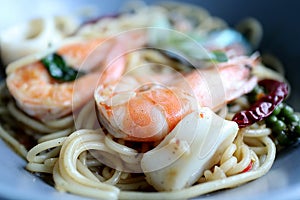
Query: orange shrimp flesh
{"points": [[44, 98], [149, 111], [75, 54], [214, 87]]}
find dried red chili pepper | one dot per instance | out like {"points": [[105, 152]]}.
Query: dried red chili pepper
{"points": [[277, 91]]}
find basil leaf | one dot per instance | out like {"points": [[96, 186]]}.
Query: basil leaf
{"points": [[57, 68]]}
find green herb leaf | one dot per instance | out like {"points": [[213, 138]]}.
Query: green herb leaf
{"points": [[58, 69]]}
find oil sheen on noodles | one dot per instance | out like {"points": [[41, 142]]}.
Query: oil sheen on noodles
{"points": [[67, 152]]}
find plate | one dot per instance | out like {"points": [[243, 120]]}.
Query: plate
{"points": [[282, 181]]}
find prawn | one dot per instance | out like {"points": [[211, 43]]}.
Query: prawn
{"points": [[143, 109], [41, 96]]}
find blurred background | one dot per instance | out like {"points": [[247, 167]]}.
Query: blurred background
{"points": [[280, 21]]}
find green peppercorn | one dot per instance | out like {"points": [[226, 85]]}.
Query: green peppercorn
{"points": [[279, 126], [292, 118], [297, 130], [271, 120], [287, 111], [276, 110], [283, 139]]}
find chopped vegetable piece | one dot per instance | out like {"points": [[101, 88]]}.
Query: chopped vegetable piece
{"points": [[58, 69]]}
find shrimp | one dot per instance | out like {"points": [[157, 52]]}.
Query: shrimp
{"points": [[141, 109], [43, 97], [75, 54]]}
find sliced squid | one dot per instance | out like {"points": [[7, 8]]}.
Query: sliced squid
{"points": [[194, 145]]}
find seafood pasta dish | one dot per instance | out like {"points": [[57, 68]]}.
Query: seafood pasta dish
{"points": [[158, 101]]}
